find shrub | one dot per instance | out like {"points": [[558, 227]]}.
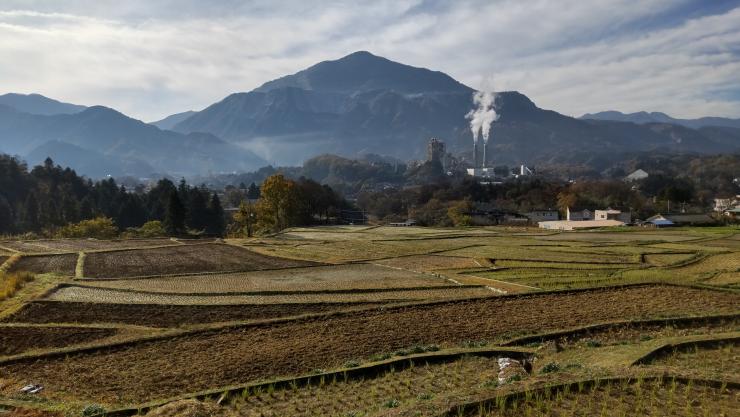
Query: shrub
{"points": [[391, 403], [474, 343], [153, 228], [100, 228], [351, 364], [93, 410], [380, 357], [593, 343], [550, 367]]}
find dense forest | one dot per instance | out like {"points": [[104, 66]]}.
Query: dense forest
{"points": [[48, 198]]}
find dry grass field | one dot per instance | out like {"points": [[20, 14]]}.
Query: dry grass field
{"points": [[410, 311]]}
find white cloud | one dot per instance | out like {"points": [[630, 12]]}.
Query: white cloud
{"points": [[153, 58]]}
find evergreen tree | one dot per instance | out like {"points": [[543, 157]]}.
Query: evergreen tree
{"points": [[7, 220], [198, 215], [174, 220], [86, 209], [217, 221], [253, 192], [30, 214]]}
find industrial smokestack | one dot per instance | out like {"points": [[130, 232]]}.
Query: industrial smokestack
{"points": [[481, 119], [475, 153], [485, 145]]}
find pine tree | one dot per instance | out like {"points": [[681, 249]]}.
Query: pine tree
{"points": [[86, 208], [174, 220], [217, 221], [253, 192], [7, 221], [30, 213], [198, 215]]}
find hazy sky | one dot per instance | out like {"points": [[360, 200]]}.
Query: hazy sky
{"points": [[151, 58]]}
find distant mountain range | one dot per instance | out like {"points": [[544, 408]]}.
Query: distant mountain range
{"points": [[358, 104], [38, 104], [170, 121], [658, 117], [100, 141]]}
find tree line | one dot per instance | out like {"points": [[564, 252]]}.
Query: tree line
{"points": [[55, 201], [49, 197]]}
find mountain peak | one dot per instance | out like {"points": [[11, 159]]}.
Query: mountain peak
{"points": [[37, 104], [362, 71]]}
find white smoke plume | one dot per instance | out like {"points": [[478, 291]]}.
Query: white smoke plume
{"points": [[482, 117]]}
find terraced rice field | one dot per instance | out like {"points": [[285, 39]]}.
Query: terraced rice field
{"points": [[19, 339], [432, 262], [615, 399], [319, 278], [181, 259], [666, 259], [730, 279], [513, 253], [103, 295], [223, 357], [405, 389], [612, 237], [720, 361], [167, 315], [168, 318], [63, 264]]}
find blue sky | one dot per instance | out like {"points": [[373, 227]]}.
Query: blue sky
{"points": [[152, 58]]}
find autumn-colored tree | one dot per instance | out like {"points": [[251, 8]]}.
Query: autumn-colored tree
{"points": [[278, 206], [459, 213], [244, 219]]}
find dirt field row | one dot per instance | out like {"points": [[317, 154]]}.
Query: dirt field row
{"points": [[181, 259], [159, 315], [14, 340], [321, 278], [103, 295], [166, 367]]}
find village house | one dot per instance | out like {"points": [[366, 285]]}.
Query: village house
{"points": [[613, 214], [636, 176], [578, 214], [536, 216]]}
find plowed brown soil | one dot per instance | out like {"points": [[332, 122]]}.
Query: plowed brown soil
{"points": [[59, 264], [182, 259], [159, 315], [161, 368], [14, 340]]}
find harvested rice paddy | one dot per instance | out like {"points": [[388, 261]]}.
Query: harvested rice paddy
{"points": [[211, 257], [120, 322], [319, 278], [103, 295]]}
